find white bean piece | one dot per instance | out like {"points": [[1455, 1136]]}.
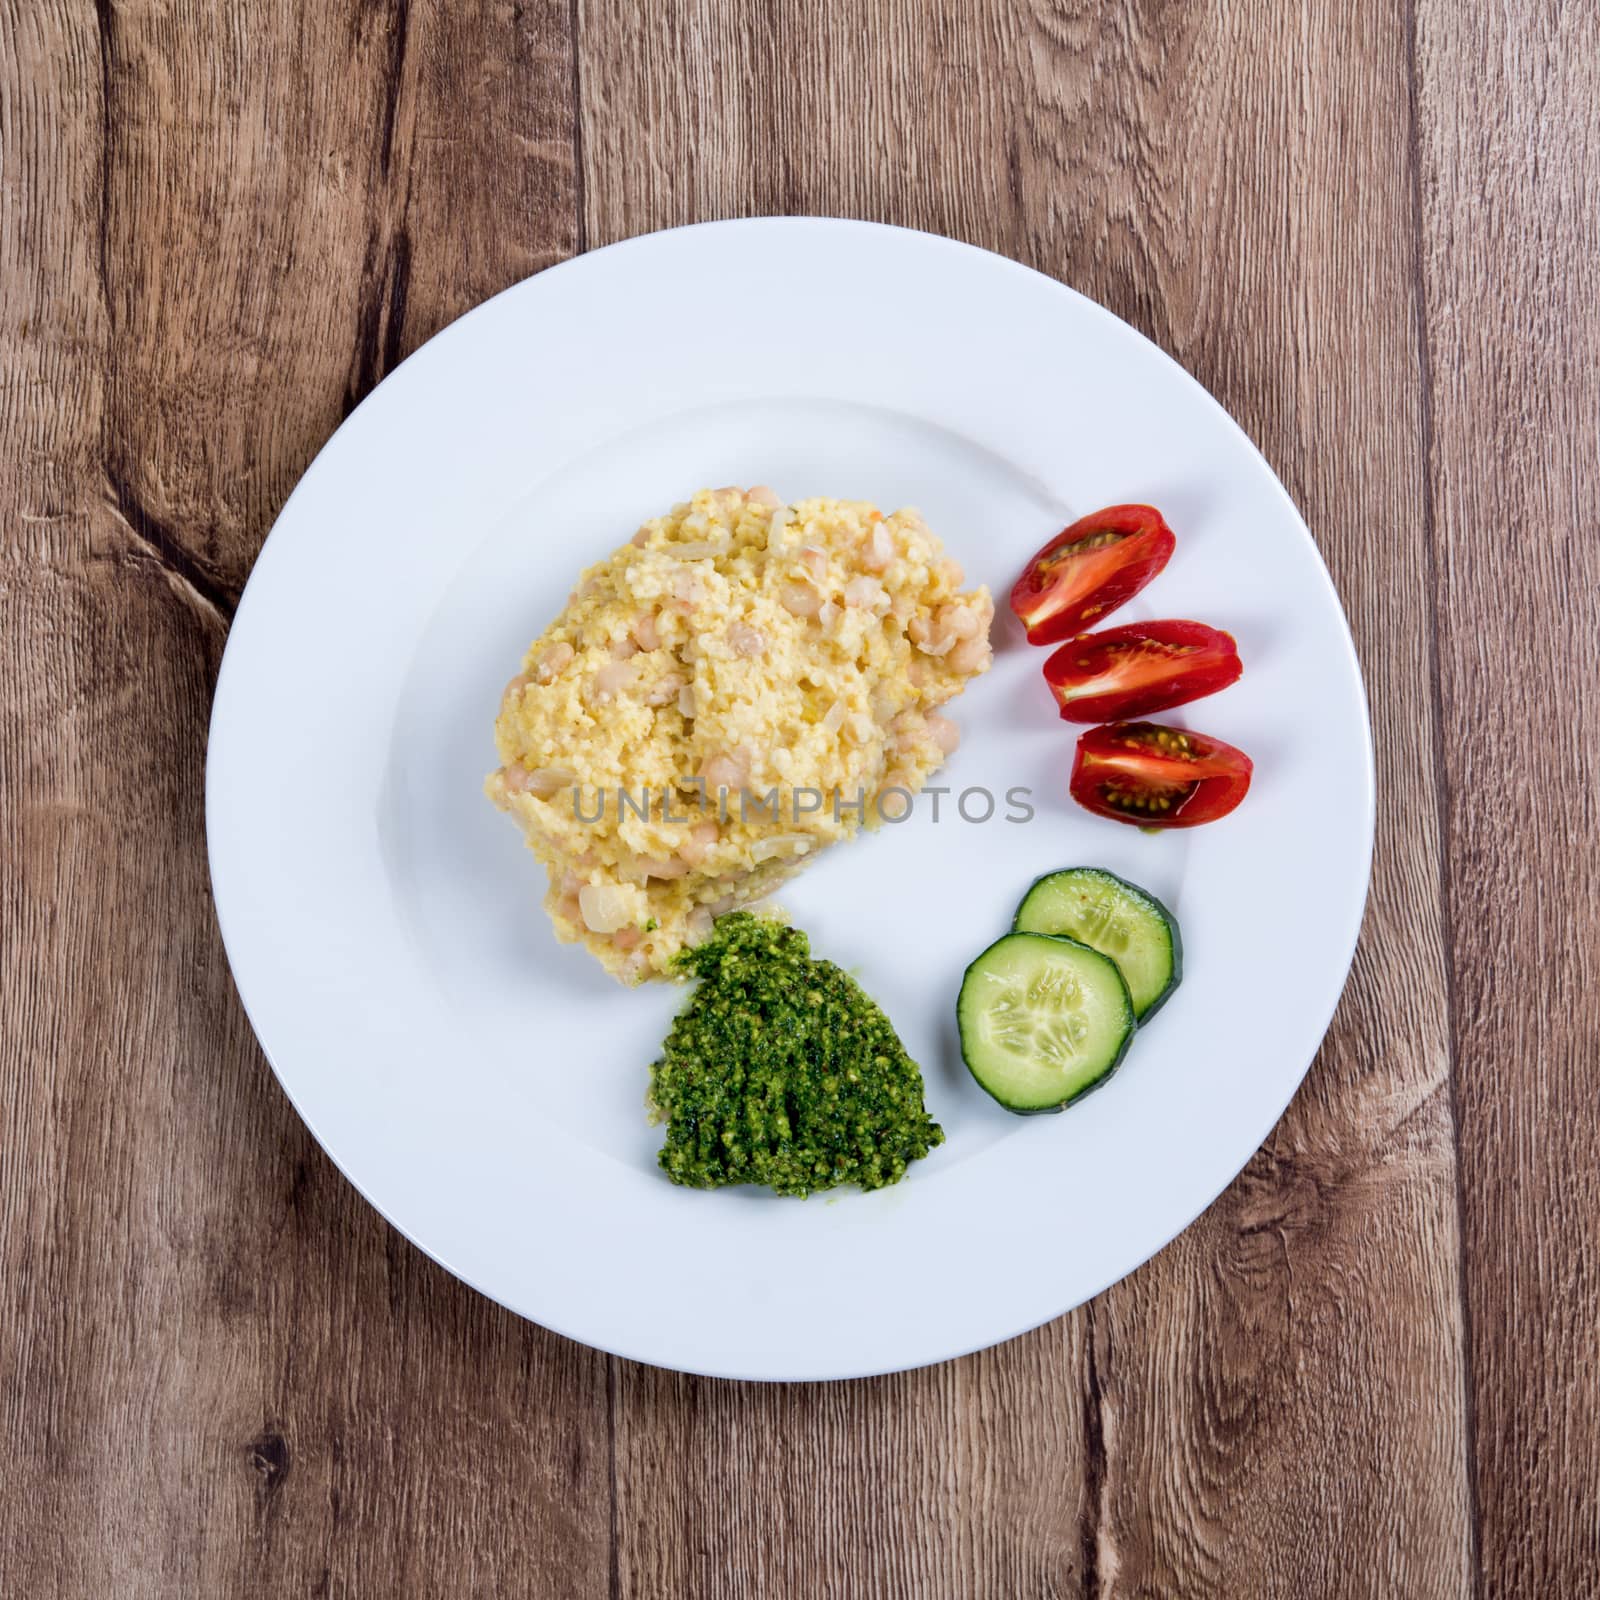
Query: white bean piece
{"points": [[970, 656], [894, 806], [543, 782], [778, 530], [879, 549], [697, 845], [663, 867], [945, 733], [665, 691], [552, 659], [780, 844], [907, 731], [725, 772], [800, 599], [959, 620], [605, 907], [613, 678], [744, 640]]}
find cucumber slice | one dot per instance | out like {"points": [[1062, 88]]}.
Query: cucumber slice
{"points": [[1115, 917], [1043, 1021]]}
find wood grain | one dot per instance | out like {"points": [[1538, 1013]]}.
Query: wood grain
{"points": [[1510, 243], [1275, 1403], [220, 1372], [1372, 230]]}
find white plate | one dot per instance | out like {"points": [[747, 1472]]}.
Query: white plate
{"points": [[481, 1084]]}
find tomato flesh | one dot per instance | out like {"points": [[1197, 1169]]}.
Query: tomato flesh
{"points": [[1088, 570], [1158, 777], [1139, 668]]}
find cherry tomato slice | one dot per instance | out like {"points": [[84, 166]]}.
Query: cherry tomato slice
{"points": [[1088, 570], [1139, 668], [1158, 777]]}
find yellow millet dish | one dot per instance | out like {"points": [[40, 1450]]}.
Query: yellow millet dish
{"points": [[739, 686]]}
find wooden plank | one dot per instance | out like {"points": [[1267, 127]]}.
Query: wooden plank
{"points": [[1275, 1402], [1510, 144], [955, 1480], [220, 1372], [281, 200]]}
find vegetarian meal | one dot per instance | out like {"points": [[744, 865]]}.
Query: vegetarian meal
{"points": [[737, 654], [1138, 772], [739, 686], [1048, 1011], [780, 1071]]}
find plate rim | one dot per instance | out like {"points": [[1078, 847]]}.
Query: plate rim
{"points": [[215, 826]]}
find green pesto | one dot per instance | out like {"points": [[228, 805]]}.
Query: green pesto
{"points": [[781, 1072]]}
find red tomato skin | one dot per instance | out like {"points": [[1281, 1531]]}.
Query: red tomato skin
{"points": [[1162, 664], [1124, 754], [1059, 594]]}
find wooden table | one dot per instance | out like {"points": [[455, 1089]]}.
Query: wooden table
{"points": [[1373, 231]]}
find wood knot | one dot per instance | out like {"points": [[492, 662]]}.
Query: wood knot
{"points": [[269, 1455]]}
